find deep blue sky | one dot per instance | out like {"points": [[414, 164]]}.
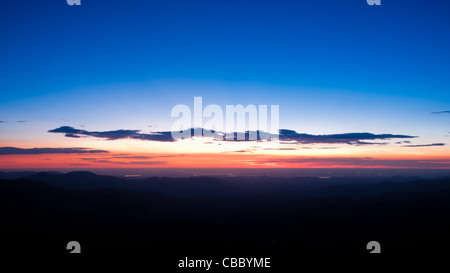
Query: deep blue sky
{"points": [[401, 45], [349, 63]]}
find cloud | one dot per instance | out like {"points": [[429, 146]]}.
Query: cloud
{"points": [[441, 112], [348, 138], [78, 164], [320, 148], [141, 156], [143, 163], [138, 157], [134, 162], [114, 135], [1, 121], [285, 136], [241, 151], [22, 121], [363, 162], [34, 151], [280, 149], [425, 145], [403, 142]]}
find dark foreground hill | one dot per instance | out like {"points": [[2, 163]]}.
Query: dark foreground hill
{"points": [[163, 219]]}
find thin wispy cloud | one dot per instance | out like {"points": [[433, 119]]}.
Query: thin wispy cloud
{"points": [[441, 112], [280, 149], [363, 162], [34, 151], [425, 145], [133, 162]]}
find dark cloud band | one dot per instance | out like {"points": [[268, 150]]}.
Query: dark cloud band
{"points": [[34, 151], [285, 135], [113, 135], [425, 145]]}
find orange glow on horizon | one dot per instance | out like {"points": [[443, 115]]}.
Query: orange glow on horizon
{"points": [[216, 160]]}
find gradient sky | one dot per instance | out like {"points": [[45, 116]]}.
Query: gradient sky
{"points": [[333, 67]]}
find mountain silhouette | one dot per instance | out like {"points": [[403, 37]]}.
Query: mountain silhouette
{"points": [[167, 218]]}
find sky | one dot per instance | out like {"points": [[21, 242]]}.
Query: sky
{"points": [[358, 86]]}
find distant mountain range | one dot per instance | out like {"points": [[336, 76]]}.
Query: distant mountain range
{"points": [[355, 187], [166, 218]]}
